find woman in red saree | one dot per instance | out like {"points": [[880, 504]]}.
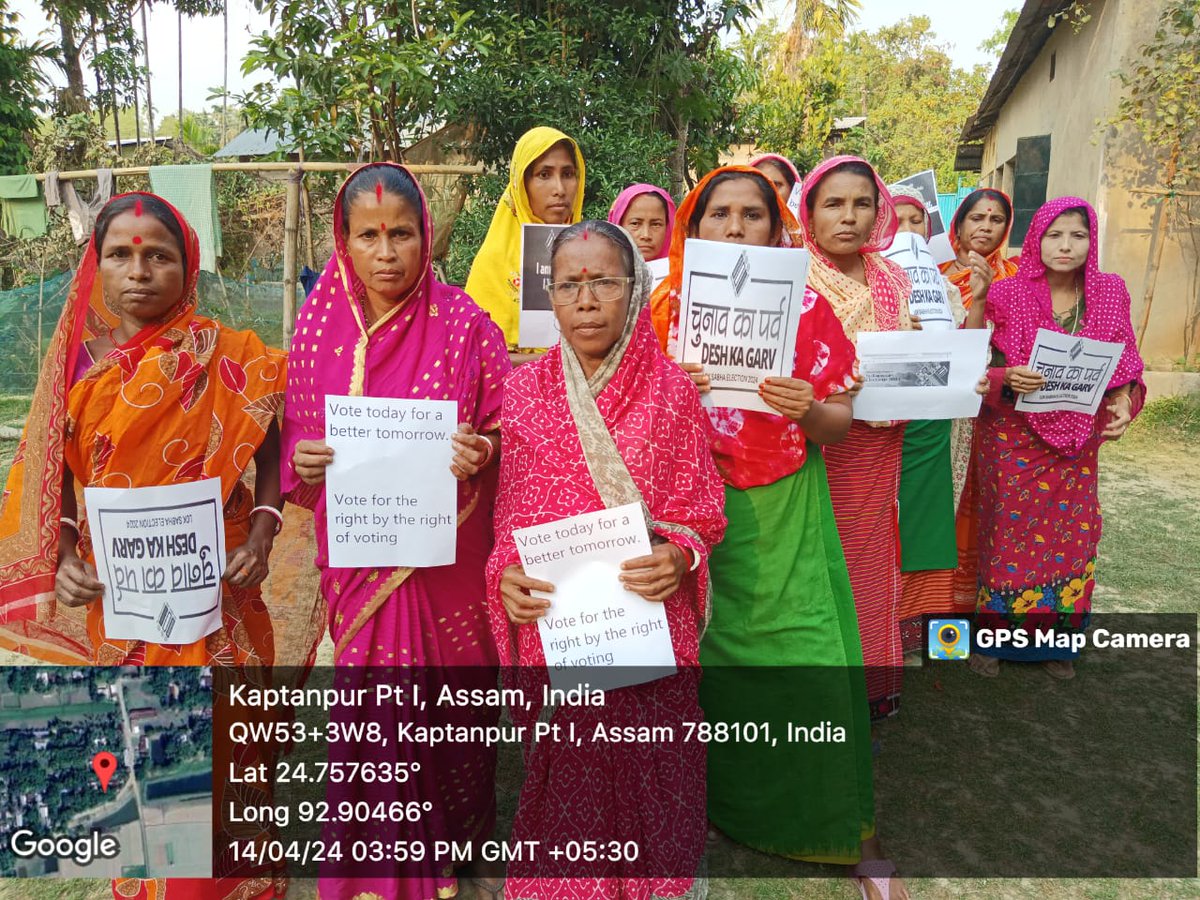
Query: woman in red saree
{"points": [[784, 638], [847, 217], [1039, 512], [139, 390], [380, 324], [979, 236], [600, 421]]}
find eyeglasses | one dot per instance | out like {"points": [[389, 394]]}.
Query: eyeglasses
{"points": [[605, 290]]}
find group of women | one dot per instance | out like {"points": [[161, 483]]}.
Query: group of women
{"points": [[775, 542]]}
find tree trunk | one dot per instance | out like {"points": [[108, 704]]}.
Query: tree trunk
{"points": [[116, 104], [679, 161], [137, 115], [179, 143], [146, 50], [1158, 242], [225, 78], [100, 104], [75, 96]]}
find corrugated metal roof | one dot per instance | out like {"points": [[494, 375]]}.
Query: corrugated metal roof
{"points": [[252, 142]]}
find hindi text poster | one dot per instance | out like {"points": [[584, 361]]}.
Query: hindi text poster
{"points": [[1077, 372], [160, 553], [928, 300], [738, 317]]}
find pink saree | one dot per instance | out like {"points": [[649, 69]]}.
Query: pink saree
{"points": [[437, 344], [634, 430]]}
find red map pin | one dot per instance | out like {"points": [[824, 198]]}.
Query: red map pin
{"points": [[104, 764]]}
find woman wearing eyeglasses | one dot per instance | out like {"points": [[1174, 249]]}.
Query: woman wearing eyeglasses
{"points": [[601, 421]]}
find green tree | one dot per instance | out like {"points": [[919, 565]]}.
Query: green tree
{"points": [[913, 96], [790, 107], [20, 101], [994, 46]]}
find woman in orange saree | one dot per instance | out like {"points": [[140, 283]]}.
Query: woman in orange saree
{"points": [[139, 390]]}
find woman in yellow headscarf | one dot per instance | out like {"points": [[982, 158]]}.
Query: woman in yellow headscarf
{"points": [[545, 186]]}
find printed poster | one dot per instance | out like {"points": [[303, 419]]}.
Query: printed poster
{"points": [[1077, 371], [738, 317], [160, 553]]}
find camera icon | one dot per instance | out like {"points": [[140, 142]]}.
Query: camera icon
{"points": [[949, 639]]}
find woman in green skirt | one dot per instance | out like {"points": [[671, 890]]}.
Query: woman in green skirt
{"points": [[782, 646]]}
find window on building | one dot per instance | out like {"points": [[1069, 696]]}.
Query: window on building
{"points": [[1030, 176]]}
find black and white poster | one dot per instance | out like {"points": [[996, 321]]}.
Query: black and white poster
{"points": [[160, 553], [928, 300], [939, 239], [1077, 371], [537, 326]]}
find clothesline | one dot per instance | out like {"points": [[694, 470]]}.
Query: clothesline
{"points": [[416, 169]]}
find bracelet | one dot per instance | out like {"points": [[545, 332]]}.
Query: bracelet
{"points": [[70, 523], [273, 511], [695, 556], [491, 451]]}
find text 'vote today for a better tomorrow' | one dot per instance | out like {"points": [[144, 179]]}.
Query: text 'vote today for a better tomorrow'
{"points": [[390, 495]]}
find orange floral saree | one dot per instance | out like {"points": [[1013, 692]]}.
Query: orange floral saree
{"points": [[182, 400]]}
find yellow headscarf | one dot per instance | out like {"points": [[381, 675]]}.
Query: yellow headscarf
{"points": [[495, 278]]}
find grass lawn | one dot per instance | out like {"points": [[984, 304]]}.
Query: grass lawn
{"points": [[1150, 562]]}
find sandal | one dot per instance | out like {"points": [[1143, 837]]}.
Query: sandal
{"points": [[877, 871], [1062, 669], [987, 666]]}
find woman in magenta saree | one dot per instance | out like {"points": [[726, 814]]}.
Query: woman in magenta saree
{"points": [[378, 323], [1040, 520], [603, 420]]}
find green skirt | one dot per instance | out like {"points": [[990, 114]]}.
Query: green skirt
{"points": [[783, 648], [927, 539]]}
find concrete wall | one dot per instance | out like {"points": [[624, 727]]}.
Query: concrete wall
{"points": [[1101, 165]]}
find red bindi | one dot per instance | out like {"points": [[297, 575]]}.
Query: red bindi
{"points": [[379, 191], [383, 227], [137, 238], [137, 207]]}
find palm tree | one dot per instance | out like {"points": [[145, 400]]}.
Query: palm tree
{"points": [[816, 19]]}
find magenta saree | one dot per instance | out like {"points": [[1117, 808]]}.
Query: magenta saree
{"points": [[573, 445], [1039, 509], [437, 344]]}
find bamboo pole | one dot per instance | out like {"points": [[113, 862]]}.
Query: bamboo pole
{"points": [[291, 219], [418, 169]]}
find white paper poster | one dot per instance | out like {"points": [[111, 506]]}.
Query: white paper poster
{"points": [[939, 240], [738, 317], [1077, 371], [920, 374], [659, 269], [928, 299], [160, 553], [390, 494], [595, 631], [537, 326], [793, 200]]}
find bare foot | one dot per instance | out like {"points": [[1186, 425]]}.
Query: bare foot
{"points": [[1062, 669]]}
